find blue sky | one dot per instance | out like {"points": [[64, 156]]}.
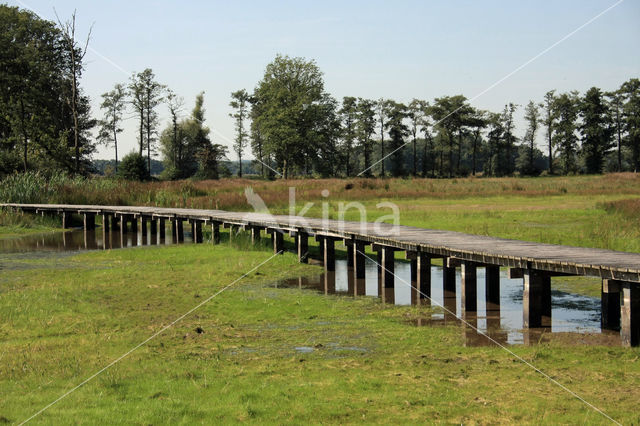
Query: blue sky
{"points": [[399, 50]]}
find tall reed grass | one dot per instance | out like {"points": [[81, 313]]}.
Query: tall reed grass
{"points": [[228, 194]]}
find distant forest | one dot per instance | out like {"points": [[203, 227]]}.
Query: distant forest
{"points": [[290, 124], [227, 168]]}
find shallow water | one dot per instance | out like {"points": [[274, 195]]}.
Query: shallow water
{"points": [[573, 315], [78, 240]]}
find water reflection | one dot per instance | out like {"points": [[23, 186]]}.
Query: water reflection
{"points": [[79, 239], [492, 323]]}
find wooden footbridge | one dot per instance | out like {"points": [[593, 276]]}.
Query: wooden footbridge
{"points": [[536, 263]]}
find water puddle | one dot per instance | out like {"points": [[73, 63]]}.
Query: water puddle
{"points": [[79, 240], [575, 318]]}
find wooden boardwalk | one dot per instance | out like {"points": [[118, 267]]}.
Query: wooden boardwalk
{"points": [[606, 264], [536, 263]]}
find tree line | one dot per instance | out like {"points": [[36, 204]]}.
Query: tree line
{"points": [[296, 128], [291, 125]]}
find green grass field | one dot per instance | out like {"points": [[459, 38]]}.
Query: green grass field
{"points": [[266, 355]]}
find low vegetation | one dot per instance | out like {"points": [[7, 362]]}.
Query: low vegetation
{"points": [[261, 354]]}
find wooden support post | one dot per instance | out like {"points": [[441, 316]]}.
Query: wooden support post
{"points": [[303, 246], [143, 226], [105, 223], [536, 299], [192, 222], [424, 276], [630, 313], [349, 246], [180, 228], [153, 225], [388, 267], [358, 259], [492, 296], [277, 238], [469, 287], [610, 305], [255, 235], [320, 240], [448, 278], [386, 277], [123, 231], [420, 277], [115, 223], [174, 230], [124, 224], [379, 263], [89, 221], [197, 236], [66, 220], [449, 289], [329, 254], [215, 232], [161, 228], [134, 225]]}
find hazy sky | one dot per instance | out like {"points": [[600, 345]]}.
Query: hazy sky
{"points": [[400, 50]]}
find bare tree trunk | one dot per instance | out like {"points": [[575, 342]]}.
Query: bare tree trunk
{"points": [[382, 149], [619, 140], [115, 144], [475, 151], [24, 135], [415, 159]]}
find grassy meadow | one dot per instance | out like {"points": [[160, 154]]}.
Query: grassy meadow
{"points": [[265, 355], [261, 354]]}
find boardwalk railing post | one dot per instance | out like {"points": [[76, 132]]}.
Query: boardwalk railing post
{"points": [[536, 299], [469, 287], [630, 313], [610, 305]]}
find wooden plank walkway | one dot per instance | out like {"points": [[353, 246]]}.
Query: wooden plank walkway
{"points": [[606, 264]]}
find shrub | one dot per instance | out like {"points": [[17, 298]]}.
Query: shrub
{"points": [[133, 167]]}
